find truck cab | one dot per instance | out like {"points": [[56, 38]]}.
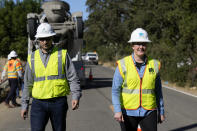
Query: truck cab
{"points": [[91, 57]]}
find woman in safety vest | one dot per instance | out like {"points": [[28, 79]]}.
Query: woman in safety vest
{"points": [[136, 91]]}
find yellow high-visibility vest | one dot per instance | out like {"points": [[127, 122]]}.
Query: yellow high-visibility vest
{"points": [[138, 91], [49, 81]]}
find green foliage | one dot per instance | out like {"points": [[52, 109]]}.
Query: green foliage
{"points": [[171, 25], [13, 34]]}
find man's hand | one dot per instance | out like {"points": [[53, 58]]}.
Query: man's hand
{"points": [[161, 118], [75, 104], [119, 117], [24, 114]]}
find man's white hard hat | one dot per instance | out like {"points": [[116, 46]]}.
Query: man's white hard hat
{"points": [[13, 54], [139, 35], [44, 30]]}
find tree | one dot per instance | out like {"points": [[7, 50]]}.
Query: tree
{"points": [[13, 34], [171, 25], [106, 26]]}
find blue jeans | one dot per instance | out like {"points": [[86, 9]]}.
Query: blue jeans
{"points": [[54, 109], [17, 92]]}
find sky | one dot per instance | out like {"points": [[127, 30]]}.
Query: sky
{"points": [[78, 5]]}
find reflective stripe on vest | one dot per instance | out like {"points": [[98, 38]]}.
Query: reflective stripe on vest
{"points": [[59, 76], [12, 67], [137, 92], [49, 81]]}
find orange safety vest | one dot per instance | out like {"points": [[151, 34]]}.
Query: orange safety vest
{"points": [[12, 66]]}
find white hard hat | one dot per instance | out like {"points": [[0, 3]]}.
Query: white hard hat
{"points": [[9, 57], [139, 35], [13, 54], [44, 30]]}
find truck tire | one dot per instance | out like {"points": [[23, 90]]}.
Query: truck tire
{"points": [[32, 27], [80, 27]]}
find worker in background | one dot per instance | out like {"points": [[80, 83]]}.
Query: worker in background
{"points": [[9, 58], [14, 70], [49, 76], [136, 91], [20, 81]]}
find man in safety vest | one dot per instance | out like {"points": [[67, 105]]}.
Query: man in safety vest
{"points": [[14, 70], [49, 77], [136, 91]]}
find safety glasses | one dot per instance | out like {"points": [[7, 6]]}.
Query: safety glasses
{"points": [[140, 43], [45, 39]]}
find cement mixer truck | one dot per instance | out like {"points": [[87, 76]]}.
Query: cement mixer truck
{"points": [[68, 27]]}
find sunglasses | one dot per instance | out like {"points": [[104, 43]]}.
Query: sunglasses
{"points": [[45, 39]]}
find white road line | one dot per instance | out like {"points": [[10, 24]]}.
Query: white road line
{"points": [[179, 91]]}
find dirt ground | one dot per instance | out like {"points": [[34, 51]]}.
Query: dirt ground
{"points": [[2, 63], [190, 90]]}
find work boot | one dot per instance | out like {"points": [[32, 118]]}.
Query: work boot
{"points": [[8, 105]]}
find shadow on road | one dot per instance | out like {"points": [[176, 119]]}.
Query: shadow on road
{"points": [[98, 83], [185, 128]]}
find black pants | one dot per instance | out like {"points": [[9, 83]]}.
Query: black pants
{"points": [[12, 93], [147, 123]]}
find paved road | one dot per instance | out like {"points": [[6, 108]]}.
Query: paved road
{"points": [[180, 112], [95, 113]]}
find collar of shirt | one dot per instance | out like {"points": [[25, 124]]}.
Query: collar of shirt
{"points": [[49, 51], [142, 68], [145, 59]]}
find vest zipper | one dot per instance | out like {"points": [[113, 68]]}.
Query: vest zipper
{"points": [[140, 92], [140, 96]]}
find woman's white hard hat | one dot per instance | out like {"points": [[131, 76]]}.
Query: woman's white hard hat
{"points": [[139, 35], [44, 30]]}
